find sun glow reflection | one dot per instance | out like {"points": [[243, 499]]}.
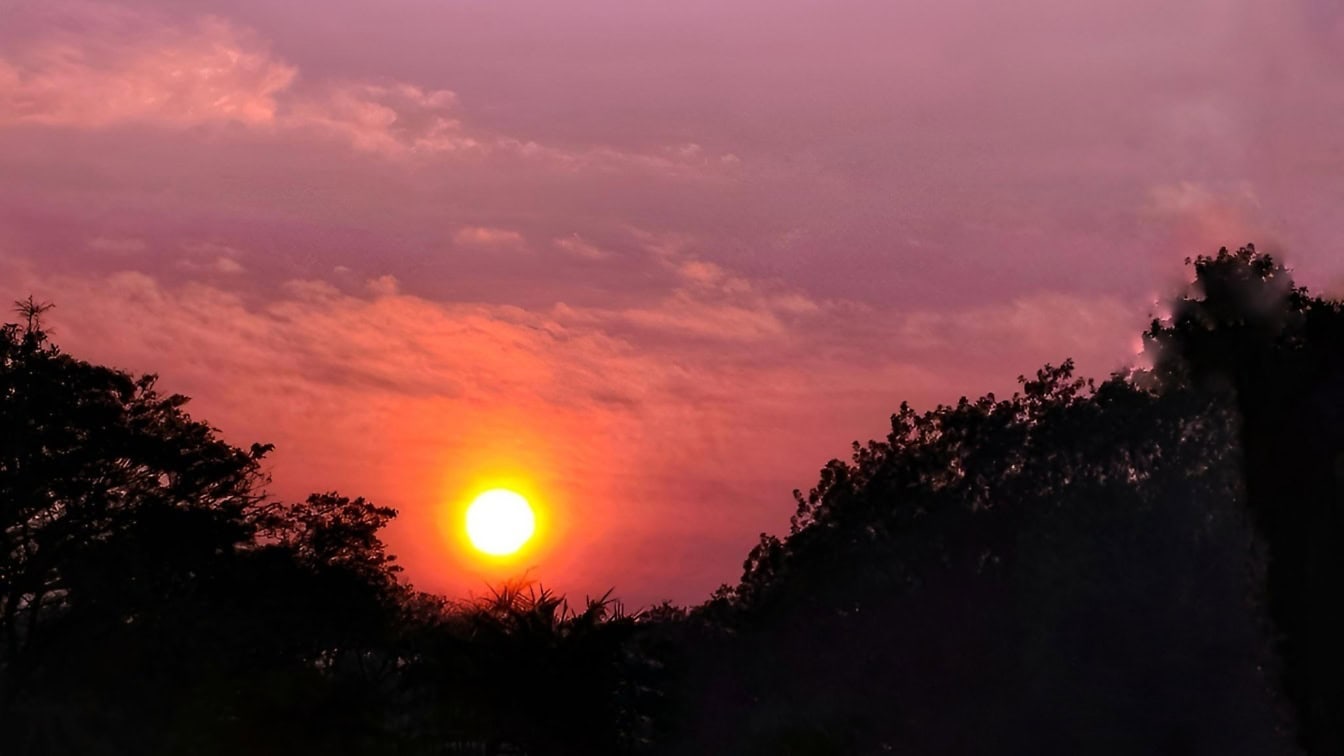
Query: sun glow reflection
{"points": [[500, 522]]}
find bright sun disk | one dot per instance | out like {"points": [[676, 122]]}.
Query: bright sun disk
{"points": [[499, 522]]}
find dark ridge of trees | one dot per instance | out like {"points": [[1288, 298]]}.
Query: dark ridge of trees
{"points": [[1065, 571], [1147, 564]]}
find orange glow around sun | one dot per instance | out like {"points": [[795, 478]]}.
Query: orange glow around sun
{"points": [[499, 522]]}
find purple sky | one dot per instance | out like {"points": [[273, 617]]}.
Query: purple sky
{"points": [[653, 262]]}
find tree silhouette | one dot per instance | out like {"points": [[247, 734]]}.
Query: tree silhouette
{"points": [[1065, 570], [114, 509], [521, 668], [1247, 332], [151, 599], [31, 311]]}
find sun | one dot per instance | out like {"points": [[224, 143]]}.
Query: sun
{"points": [[499, 522]]}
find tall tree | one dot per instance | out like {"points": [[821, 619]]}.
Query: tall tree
{"points": [[115, 508], [153, 599], [1245, 330]]}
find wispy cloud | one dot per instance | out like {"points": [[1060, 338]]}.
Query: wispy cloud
{"points": [[578, 247], [144, 68], [485, 236]]}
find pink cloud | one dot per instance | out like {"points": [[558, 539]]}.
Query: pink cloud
{"points": [[212, 258], [384, 286], [1201, 217], [146, 69], [1050, 325], [208, 72], [117, 246], [578, 247], [485, 236], [392, 119], [139, 67]]}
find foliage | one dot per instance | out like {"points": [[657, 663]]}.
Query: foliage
{"points": [[543, 676], [1245, 331], [117, 514], [1029, 564]]}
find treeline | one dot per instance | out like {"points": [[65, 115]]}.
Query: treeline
{"points": [[1152, 563]]}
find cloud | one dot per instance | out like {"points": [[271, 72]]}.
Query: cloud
{"points": [[207, 72], [1053, 325], [384, 286], [1200, 217], [137, 67], [224, 265], [576, 246], [390, 118], [117, 246], [485, 236], [144, 69], [209, 257]]}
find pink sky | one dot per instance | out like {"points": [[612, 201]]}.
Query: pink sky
{"points": [[656, 262]]}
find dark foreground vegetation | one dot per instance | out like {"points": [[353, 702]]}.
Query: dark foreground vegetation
{"points": [[1153, 564]]}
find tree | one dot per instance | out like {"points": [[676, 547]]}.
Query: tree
{"points": [[1067, 569], [153, 599], [115, 508], [1247, 332]]}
